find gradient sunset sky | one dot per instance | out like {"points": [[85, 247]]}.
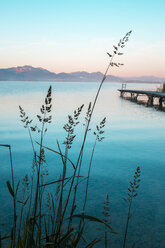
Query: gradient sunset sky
{"points": [[74, 35]]}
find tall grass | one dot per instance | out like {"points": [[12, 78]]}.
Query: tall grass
{"points": [[132, 193], [106, 213], [47, 219]]}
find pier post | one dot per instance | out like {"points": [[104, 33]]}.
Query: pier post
{"points": [[160, 103], [135, 98], [150, 101]]}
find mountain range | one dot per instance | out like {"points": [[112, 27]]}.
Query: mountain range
{"points": [[29, 73]]}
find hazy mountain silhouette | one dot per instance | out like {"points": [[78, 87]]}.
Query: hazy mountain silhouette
{"points": [[29, 73]]}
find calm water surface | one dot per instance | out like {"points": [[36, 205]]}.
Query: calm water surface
{"points": [[134, 136]]}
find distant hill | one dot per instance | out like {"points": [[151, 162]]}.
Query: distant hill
{"points": [[23, 73], [83, 76], [29, 73]]}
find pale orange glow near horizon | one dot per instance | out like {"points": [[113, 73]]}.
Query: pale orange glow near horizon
{"points": [[145, 60]]}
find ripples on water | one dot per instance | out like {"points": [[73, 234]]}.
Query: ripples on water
{"points": [[134, 136]]}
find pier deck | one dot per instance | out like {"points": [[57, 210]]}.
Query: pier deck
{"points": [[134, 94]]}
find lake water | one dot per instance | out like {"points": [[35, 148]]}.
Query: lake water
{"points": [[134, 136]]}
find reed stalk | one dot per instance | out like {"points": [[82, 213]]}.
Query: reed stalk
{"points": [[121, 44], [132, 193]]}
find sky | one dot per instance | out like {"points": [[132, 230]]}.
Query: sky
{"points": [[74, 35]]}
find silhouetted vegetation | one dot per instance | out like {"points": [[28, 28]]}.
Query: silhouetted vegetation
{"points": [[50, 219]]}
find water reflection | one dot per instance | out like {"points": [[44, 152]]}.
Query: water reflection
{"points": [[134, 135]]}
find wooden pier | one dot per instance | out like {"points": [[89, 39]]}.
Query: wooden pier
{"points": [[133, 96]]}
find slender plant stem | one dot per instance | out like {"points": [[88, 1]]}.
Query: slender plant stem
{"points": [[30, 202], [38, 178], [31, 193], [85, 135], [87, 183], [127, 223], [31, 139], [88, 123], [40, 191], [105, 238], [20, 222], [14, 197]]}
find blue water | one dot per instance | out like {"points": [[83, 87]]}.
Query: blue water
{"points": [[134, 136]]}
